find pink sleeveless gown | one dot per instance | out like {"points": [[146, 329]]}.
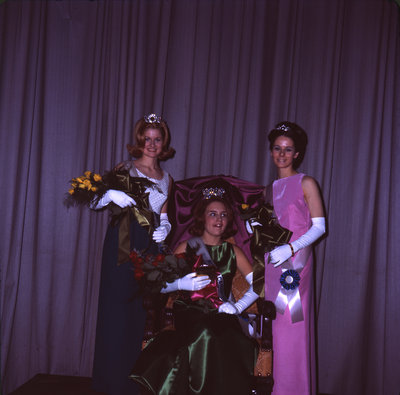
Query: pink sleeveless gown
{"points": [[294, 368]]}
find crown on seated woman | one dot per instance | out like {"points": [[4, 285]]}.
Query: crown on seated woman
{"points": [[208, 193], [152, 118]]}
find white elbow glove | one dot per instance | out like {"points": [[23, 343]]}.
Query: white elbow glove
{"points": [[190, 282], [162, 231], [282, 253], [243, 303], [120, 198]]}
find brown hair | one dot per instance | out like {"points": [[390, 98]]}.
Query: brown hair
{"points": [[139, 130], [197, 229]]}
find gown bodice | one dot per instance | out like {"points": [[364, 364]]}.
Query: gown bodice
{"points": [[224, 257], [289, 204], [157, 196]]}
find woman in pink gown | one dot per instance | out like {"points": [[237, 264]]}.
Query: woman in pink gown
{"points": [[289, 269]]}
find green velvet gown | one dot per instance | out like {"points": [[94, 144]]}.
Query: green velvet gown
{"points": [[207, 353]]}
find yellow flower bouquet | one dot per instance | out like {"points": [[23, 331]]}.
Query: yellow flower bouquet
{"points": [[89, 188], [85, 188]]}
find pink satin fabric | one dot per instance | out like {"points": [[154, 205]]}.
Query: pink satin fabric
{"points": [[294, 368]]}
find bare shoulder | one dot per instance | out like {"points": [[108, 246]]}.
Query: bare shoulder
{"points": [[237, 250], [310, 186], [242, 262], [312, 196], [308, 182], [181, 247]]}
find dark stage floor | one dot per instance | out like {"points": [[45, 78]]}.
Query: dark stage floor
{"points": [[45, 384]]}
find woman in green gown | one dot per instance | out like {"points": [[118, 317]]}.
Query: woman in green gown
{"points": [[207, 353]]}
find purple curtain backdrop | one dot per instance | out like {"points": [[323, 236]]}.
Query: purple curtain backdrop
{"points": [[75, 76]]}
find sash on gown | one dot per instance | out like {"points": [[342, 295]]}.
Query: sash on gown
{"points": [[291, 296]]}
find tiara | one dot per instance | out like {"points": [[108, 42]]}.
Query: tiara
{"points": [[283, 128], [208, 193], [152, 118]]}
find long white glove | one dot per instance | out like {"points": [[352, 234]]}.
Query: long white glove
{"points": [[282, 253], [162, 231], [112, 195], [243, 303], [190, 282]]}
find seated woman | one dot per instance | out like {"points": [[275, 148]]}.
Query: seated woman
{"points": [[207, 353]]}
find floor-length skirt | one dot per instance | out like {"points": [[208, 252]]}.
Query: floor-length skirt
{"points": [[294, 365], [207, 354], [120, 317]]}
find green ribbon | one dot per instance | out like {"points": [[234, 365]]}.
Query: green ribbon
{"points": [[134, 187]]}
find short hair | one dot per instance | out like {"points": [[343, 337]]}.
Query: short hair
{"points": [[293, 131], [139, 130], [198, 212]]}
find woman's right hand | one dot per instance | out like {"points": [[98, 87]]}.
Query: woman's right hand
{"points": [[280, 255], [193, 282], [120, 198], [190, 282]]}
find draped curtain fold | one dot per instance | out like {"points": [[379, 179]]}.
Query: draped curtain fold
{"points": [[76, 75]]}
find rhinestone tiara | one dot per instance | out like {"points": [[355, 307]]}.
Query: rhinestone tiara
{"points": [[208, 193], [283, 128], [152, 118]]}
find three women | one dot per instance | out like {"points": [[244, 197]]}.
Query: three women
{"points": [[204, 349]]}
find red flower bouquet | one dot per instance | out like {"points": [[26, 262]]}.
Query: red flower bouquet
{"points": [[153, 271]]}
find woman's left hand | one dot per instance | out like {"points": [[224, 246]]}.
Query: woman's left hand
{"points": [[228, 308], [280, 254], [162, 231]]}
